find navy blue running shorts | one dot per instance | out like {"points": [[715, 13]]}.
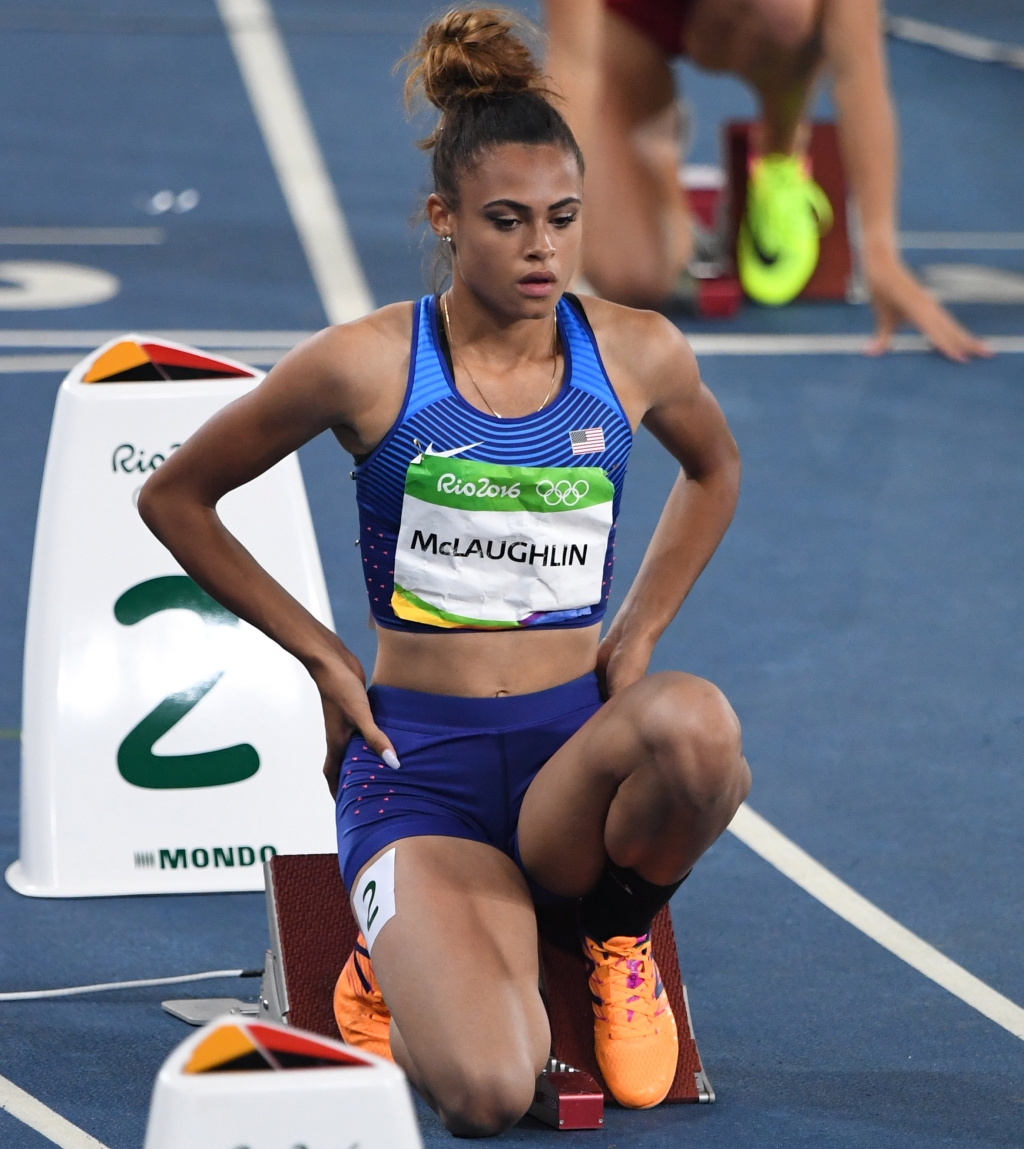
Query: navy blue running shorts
{"points": [[466, 766]]}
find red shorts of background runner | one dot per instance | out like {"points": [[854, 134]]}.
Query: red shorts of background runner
{"points": [[663, 21]]}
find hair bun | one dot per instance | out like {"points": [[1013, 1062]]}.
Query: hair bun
{"points": [[467, 54]]}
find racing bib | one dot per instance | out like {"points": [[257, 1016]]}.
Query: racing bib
{"points": [[484, 545]]}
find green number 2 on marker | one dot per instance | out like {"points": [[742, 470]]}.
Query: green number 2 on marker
{"points": [[371, 889], [135, 758]]}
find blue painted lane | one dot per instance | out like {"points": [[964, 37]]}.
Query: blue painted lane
{"points": [[145, 103], [863, 615]]}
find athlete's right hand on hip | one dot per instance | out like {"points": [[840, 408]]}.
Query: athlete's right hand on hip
{"points": [[342, 686]]}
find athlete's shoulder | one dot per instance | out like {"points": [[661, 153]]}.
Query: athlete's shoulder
{"points": [[631, 328], [354, 371], [382, 333], [643, 352], [361, 353]]}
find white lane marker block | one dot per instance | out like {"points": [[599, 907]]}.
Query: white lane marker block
{"points": [[787, 857], [265, 1086], [33, 1113], [374, 898], [295, 153], [167, 747]]}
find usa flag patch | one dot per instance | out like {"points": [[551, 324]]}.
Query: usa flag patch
{"points": [[588, 441]]}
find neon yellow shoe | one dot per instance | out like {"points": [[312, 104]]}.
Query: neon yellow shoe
{"points": [[363, 1019], [778, 243], [635, 1035]]}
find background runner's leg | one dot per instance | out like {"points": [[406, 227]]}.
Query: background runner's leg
{"points": [[457, 965], [774, 45], [638, 233]]}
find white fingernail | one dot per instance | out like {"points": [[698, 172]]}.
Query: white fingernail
{"points": [[391, 759]]}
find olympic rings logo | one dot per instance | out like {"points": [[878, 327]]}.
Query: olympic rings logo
{"points": [[564, 492]]}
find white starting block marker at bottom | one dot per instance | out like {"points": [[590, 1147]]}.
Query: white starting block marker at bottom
{"points": [[239, 1085]]}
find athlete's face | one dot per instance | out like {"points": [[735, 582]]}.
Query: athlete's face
{"points": [[516, 234]]}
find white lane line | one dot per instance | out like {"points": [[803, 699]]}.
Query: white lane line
{"points": [[44, 337], [44, 1120], [825, 344], [82, 235], [797, 865], [265, 348], [30, 364], [954, 42], [962, 240], [40, 364], [295, 153]]}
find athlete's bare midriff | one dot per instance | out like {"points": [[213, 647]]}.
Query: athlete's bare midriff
{"points": [[483, 665]]}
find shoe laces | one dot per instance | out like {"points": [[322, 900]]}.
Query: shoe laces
{"points": [[363, 968], [625, 987], [780, 190]]}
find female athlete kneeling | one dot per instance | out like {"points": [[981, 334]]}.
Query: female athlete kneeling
{"points": [[504, 752]]}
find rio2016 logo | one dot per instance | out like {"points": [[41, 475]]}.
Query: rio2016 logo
{"points": [[131, 460], [482, 488], [564, 492]]}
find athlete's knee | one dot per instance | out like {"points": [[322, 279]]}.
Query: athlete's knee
{"points": [[787, 25], [745, 36], [485, 1100], [637, 283], [695, 739]]}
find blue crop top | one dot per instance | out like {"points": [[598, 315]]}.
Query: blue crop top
{"points": [[494, 523]]}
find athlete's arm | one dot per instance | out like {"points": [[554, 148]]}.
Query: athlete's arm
{"points": [[659, 383], [852, 38], [574, 61], [324, 384]]}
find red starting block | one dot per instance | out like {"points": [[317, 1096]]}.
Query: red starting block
{"points": [[312, 932], [717, 206], [832, 276]]}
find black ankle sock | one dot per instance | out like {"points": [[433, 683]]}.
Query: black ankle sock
{"points": [[622, 904]]}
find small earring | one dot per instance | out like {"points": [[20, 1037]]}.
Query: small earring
{"points": [[446, 238]]}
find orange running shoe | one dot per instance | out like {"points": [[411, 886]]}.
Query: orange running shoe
{"points": [[363, 1018], [635, 1035]]}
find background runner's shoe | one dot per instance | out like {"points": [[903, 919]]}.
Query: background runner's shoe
{"points": [[635, 1035], [363, 1018], [786, 213]]}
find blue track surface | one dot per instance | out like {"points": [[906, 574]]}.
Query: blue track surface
{"points": [[863, 613]]}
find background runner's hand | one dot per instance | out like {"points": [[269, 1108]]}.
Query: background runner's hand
{"points": [[342, 686], [619, 665], [898, 298]]}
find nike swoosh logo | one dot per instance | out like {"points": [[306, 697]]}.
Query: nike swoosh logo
{"points": [[762, 255], [429, 450], [454, 451]]}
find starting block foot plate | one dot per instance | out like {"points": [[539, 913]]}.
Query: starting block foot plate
{"points": [[200, 1010]]}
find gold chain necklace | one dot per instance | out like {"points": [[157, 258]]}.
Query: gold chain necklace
{"points": [[451, 344]]}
